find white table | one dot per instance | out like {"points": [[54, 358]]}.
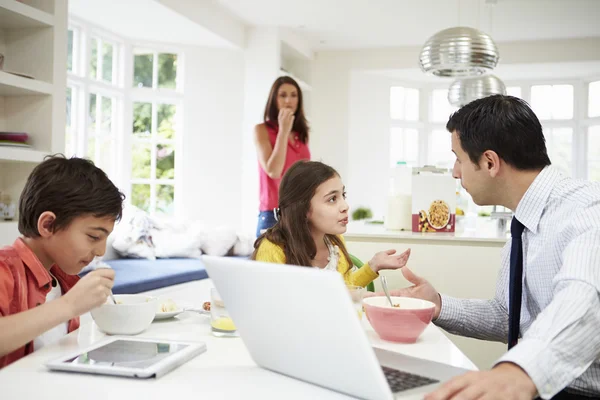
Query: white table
{"points": [[224, 371]]}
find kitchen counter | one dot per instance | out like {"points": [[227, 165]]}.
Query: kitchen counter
{"points": [[484, 230]]}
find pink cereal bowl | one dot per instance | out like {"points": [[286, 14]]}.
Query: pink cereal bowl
{"points": [[403, 324]]}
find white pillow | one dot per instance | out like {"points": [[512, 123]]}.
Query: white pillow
{"points": [[169, 243], [218, 241], [133, 235], [244, 245]]}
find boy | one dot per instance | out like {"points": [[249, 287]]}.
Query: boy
{"points": [[66, 212]]}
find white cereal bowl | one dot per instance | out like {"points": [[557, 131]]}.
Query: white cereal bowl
{"points": [[132, 314]]}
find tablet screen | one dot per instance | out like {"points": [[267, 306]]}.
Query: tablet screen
{"points": [[128, 353]]}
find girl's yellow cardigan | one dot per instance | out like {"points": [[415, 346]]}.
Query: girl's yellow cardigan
{"points": [[270, 252]]}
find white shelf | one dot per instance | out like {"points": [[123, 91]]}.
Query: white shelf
{"points": [[10, 153], [16, 15], [303, 85], [13, 85]]}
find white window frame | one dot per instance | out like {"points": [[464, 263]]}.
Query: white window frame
{"points": [[579, 123], [123, 93]]}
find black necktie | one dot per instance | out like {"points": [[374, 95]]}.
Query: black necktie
{"points": [[516, 282]]}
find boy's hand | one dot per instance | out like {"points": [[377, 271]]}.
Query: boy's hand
{"points": [[90, 292], [387, 260]]}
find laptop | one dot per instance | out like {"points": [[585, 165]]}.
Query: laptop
{"points": [[300, 322]]}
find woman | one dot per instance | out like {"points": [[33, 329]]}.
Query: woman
{"points": [[281, 140]]}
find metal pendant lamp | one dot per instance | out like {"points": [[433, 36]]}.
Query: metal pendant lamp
{"points": [[459, 51], [464, 91]]}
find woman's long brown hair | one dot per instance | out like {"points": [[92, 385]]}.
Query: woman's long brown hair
{"points": [[272, 113], [292, 230]]}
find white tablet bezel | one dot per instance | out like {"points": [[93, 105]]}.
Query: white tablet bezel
{"points": [[155, 370]]}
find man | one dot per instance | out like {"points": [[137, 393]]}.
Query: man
{"points": [[548, 288]]}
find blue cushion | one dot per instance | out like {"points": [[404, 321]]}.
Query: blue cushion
{"points": [[141, 275]]}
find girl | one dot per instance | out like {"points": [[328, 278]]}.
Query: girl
{"points": [[281, 140], [312, 216]]}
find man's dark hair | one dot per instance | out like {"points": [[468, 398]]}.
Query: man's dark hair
{"points": [[69, 188], [505, 125]]}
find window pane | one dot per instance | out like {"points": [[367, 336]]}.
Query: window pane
{"points": [[140, 163], [594, 99], [594, 153], [541, 101], [166, 121], [91, 148], [142, 119], [440, 153], [69, 101], [165, 195], [514, 91], [562, 102], [70, 51], [559, 142], [404, 146], [142, 70], [92, 115], [411, 103], [105, 159], [94, 59], [440, 107], [167, 71], [106, 113], [107, 62], [397, 102], [68, 131], [165, 161], [140, 196], [552, 102]]}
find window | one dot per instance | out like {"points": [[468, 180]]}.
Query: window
{"points": [[559, 143], [404, 103], [552, 102], [101, 141], [404, 146], [95, 121], [514, 91], [102, 60], [594, 99], [593, 155], [154, 70], [441, 109], [154, 132], [153, 157], [440, 149]]}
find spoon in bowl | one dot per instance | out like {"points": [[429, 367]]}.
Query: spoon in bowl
{"points": [[385, 289]]}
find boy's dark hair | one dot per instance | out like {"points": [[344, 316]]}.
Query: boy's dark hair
{"points": [[69, 188], [505, 125]]}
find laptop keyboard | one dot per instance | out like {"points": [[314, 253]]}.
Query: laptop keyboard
{"points": [[400, 381]]}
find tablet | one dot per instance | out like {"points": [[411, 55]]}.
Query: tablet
{"points": [[129, 357]]}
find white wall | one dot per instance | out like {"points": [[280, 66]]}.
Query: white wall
{"points": [[212, 145], [368, 142]]}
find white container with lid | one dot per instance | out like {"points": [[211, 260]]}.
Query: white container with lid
{"points": [[399, 207]]}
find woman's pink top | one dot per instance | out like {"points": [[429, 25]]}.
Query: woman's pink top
{"points": [[269, 188]]}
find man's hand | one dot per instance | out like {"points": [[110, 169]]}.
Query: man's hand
{"points": [[507, 381], [421, 289]]}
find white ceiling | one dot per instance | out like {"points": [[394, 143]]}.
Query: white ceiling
{"points": [[345, 24], [147, 20]]}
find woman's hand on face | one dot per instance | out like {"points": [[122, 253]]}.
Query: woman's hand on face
{"points": [[286, 120], [389, 260]]}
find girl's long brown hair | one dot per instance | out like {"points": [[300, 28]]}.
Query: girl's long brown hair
{"points": [[272, 113], [292, 231]]}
